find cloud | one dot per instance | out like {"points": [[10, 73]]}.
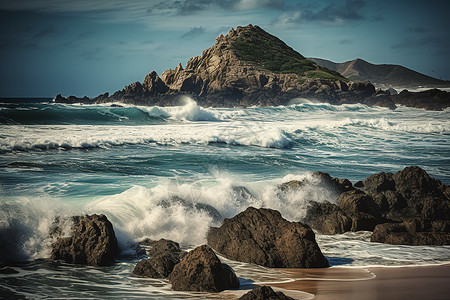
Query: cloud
{"points": [[331, 14], [47, 31], [193, 33], [439, 45]]}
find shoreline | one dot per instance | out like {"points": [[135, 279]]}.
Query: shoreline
{"points": [[386, 283]]}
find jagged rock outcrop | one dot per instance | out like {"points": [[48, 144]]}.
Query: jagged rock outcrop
{"points": [[92, 242], [263, 237], [409, 193], [164, 255], [264, 293], [72, 99], [201, 270], [387, 203], [430, 99]]}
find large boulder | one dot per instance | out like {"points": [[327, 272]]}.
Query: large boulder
{"points": [[92, 242], [414, 231], [201, 270], [263, 237], [264, 293], [164, 255]]}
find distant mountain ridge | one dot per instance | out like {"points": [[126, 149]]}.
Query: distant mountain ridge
{"points": [[383, 76]]}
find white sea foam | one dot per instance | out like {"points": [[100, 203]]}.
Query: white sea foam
{"points": [[189, 111], [32, 137]]}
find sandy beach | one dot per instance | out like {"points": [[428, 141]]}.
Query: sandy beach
{"points": [[428, 282]]}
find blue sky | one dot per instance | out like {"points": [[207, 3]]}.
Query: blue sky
{"points": [[88, 47]]}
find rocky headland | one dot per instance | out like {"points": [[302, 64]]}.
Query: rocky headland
{"points": [[249, 67]]}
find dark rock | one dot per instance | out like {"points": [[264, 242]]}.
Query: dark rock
{"points": [[102, 98], [154, 85], [355, 211], [201, 270], [263, 237], [432, 99], [414, 231], [409, 193], [327, 218], [361, 208], [264, 293], [93, 242], [157, 266], [164, 255], [72, 100]]}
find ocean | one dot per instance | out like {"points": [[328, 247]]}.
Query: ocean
{"points": [[172, 172]]}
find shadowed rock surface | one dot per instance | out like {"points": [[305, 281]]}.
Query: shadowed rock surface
{"points": [[263, 237], [201, 270], [415, 231], [92, 242], [264, 293], [408, 193], [164, 255]]}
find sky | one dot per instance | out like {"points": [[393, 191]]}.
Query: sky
{"points": [[88, 47]]}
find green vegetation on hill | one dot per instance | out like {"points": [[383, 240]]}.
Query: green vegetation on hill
{"points": [[257, 46]]}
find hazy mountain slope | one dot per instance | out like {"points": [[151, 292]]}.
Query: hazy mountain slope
{"points": [[384, 75]]}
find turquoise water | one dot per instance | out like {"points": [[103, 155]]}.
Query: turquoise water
{"points": [[129, 163]]}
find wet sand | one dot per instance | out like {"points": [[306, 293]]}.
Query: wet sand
{"points": [[410, 283]]}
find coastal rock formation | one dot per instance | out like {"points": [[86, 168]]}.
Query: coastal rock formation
{"points": [[430, 99], [414, 231], [263, 237], [249, 67], [92, 242], [408, 193], [72, 99], [164, 255], [387, 203], [264, 293], [201, 270], [354, 211], [361, 208]]}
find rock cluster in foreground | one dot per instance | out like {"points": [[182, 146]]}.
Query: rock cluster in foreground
{"points": [[199, 270], [92, 242], [408, 207], [263, 237]]}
